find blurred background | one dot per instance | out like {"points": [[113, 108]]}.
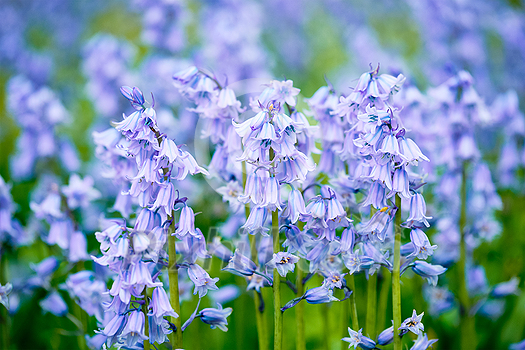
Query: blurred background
{"points": [[77, 54]]}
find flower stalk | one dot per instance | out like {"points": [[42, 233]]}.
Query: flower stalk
{"points": [[396, 288], [278, 315], [371, 305]]}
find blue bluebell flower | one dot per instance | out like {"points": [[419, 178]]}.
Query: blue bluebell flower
{"points": [[54, 304], [357, 339], [133, 332], [240, 265], [160, 306], [4, 292], [422, 342], [412, 324], [506, 288], [319, 295], [283, 262], [428, 271], [216, 318], [418, 210], [421, 244], [386, 337], [202, 280]]}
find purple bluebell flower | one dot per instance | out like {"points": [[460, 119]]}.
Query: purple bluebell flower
{"points": [[518, 346], [357, 339], [219, 250], [334, 279], [421, 244], [80, 192], [422, 342], [240, 265], [201, 279], [54, 304], [4, 292], [400, 183], [506, 288], [255, 222], [295, 207], [133, 332], [159, 305], [216, 318], [356, 262], [186, 223], [296, 240], [386, 337], [428, 271], [418, 210], [77, 247], [158, 329], [319, 295], [376, 196], [439, 299], [413, 324], [114, 328], [375, 228], [283, 262]]}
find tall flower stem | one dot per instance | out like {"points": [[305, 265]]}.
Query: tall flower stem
{"points": [[278, 315], [353, 307], [299, 311], [260, 320], [173, 273], [467, 322], [383, 299], [344, 322], [371, 305], [146, 324], [396, 288]]}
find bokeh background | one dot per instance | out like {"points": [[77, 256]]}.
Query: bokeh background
{"points": [[83, 51]]}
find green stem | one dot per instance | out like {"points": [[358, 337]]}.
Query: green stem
{"points": [[146, 323], [173, 273], [371, 306], [344, 322], [326, 326], [396, 288], [278, 315], [383, 299], [467, 322], [299, 311], [353, 307], [259, 316]]}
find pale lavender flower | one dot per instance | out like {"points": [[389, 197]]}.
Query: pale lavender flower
{"points": [[283, 262], [54, 304], [357, 339], [202, 280], [413, 324], [159, 305], [133, 332], [4, 292]]}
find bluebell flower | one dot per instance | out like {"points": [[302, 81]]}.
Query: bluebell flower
{"points": [[375, 228], [418, 210], [283, 262], [193, 247], [357, 339], [295, 207], [506, 288], [54, 304], [422, 342], [80, 193], [201, 279], [400, 183], [219, 250], [240, 265], [439, 299], [160, 306], [296, 240], [4, 292], [319, 295], [428, 271], [186, 223], [113, 328], [386, 337], [255, 222], [421, 244], [334, 279], [412, 324], [376, 196], [133, 332], [477, 282], [158, 330], [356, 263], [77, 247], [216, 318]]}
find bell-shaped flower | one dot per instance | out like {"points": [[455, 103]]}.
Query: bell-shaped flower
{"points": [[255, 222], [295, 207], [506, 288], [133, 332], [356, 262], [376, 196], [319, 295], [423, 343], [54, 304], [283, 262], [410, 152], [240, 265], [421, 244], [400, 183], [201, 279], [386, 337], [413, 324], [418, 209], [428, 271], [186, 223], [216, 318], [159, 305], [357, 339]]}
